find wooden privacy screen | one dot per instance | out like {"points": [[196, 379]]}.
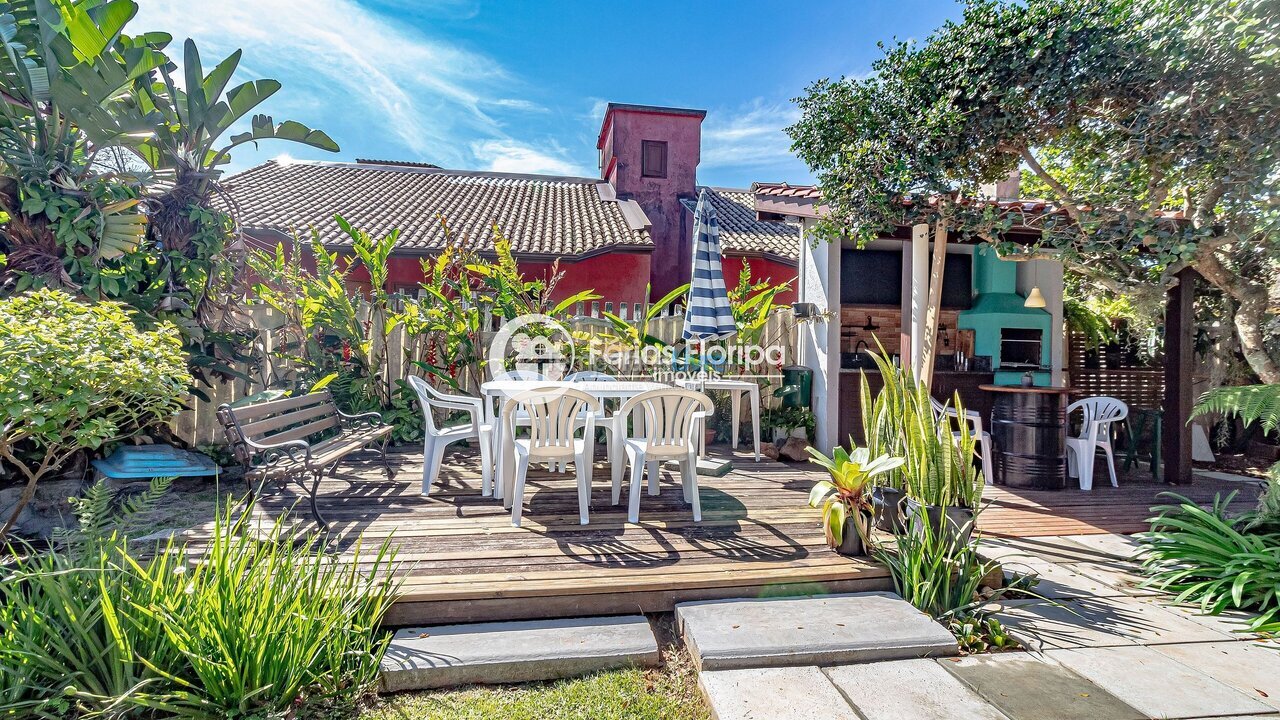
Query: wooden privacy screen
{"points": [[199, 425]]}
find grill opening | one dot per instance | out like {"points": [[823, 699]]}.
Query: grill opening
{"points": [[1020, 347]]}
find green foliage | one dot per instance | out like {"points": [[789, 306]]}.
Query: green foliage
{"points": [[848, 493], [94, 129], [99, 510], [248, 628], [1258, 404], [901, 421], [1118, 111], [939, 573], [75, 376], [465, 293], [1205, 557], [979, 633], [1251, 403]]}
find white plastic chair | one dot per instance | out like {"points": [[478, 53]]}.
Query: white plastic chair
{"points": [[590, 376], [1095, 433], [974, 419], [519, 375], [553, 428], [439, 437], [673, 421]]}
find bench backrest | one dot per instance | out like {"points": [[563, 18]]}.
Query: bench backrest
{"points": [[277, 421]]}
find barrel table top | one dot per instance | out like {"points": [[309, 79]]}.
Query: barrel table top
{"points": [[1019, 389]]}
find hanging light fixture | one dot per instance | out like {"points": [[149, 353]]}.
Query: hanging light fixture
{"points": [[1035, 299]]}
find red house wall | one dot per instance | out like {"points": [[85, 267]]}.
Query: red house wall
{"points": [[761, 269], [618, 277]]}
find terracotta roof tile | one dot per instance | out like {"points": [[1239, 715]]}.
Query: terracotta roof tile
{"points": [[539, 214], [740, 229]]}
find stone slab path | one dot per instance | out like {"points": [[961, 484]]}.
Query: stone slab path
{"points": [[819, 630], [1102, 649], [511, 652]]}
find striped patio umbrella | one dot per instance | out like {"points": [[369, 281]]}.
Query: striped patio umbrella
{"points": [[707, 316]]}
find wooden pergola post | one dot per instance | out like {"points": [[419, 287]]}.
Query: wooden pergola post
{"points": [[1179, 320]]}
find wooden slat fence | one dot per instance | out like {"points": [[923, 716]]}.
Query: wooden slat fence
{"points": [[199, 426]]}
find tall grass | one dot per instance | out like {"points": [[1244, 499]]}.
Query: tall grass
{"points": [[252, 627]]}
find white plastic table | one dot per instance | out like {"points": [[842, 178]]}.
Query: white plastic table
{"points": [[735, 388], [495, 390]]}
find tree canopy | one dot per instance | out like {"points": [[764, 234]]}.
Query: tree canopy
{"points": [[1153, 125]]}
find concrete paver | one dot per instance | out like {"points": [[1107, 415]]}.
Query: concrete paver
{"points": [[1098, 622], [821, 630], [1025, 687], [916, 689], [786, 693], [1155, 683], [433, 657], [1251, 668]]}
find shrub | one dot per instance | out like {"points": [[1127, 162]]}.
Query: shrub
{"points": [[74, 376], [245, 628], [1203, 556]]}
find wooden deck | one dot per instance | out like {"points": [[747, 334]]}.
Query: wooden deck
{"points": [[463, 561], [1105, 509]]}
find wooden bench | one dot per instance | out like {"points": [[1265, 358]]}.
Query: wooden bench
{"points": [[299, 439]]}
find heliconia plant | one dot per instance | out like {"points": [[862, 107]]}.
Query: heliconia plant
{"points": [[848, 493]]}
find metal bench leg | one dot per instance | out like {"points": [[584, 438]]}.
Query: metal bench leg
{"points": [[315, 507], [386, 465]]}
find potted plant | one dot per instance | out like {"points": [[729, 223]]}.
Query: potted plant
{"points": [[937, 479], [846, 498]]}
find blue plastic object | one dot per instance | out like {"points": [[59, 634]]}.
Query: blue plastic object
{"points": [[145, 461]]}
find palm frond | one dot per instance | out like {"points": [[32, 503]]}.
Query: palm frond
{"points": [[1250, 403]]}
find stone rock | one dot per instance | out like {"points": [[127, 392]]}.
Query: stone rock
{"points": [[794, 449], [769, 450], [917, 689], [48, 508]]}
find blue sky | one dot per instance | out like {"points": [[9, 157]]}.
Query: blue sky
{"points": [[520, 85]]}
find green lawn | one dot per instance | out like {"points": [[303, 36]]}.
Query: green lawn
{"points": [[666, 693]]}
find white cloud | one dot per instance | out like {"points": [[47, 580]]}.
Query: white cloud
{"points": [[751, 136], [379, 77], [516, 157]]}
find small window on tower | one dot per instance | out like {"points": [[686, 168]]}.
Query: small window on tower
{"points": [[653, 158]]}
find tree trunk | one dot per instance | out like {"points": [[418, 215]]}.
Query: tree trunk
{"points": [[1251, 311]]}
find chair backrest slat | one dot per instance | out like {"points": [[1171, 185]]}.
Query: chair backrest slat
{"points": [[553, 415], [668, 415], [1097, 412]]}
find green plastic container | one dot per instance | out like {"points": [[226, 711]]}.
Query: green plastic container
{"points": [[797, 386]]}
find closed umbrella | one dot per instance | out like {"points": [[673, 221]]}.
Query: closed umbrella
{"points": [[708, 315]]}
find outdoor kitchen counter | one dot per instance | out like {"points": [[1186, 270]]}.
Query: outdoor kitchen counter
{"points": [[946, 383], [1029, 436]]}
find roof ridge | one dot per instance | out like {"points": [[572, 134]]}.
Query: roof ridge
{"points": [[411, 169]]}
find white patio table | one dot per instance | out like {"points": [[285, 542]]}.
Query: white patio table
{"points": [[496, 390], [735, 388]]}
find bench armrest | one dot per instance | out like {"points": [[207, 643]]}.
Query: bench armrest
{"points": [[298, 451], [368, 419]]}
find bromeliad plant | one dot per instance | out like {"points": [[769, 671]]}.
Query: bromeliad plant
{"points": [[847, 495]]}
